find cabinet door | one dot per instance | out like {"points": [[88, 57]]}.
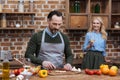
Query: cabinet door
{"points": [[78, 21]]}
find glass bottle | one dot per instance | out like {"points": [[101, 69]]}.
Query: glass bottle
{"points": [[97, 8], [5, 69], [78, 6], [75, 6], [31, 6], [20, 6], [3, 21]]}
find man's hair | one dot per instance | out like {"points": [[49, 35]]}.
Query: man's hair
{"points": [[55, 12]]}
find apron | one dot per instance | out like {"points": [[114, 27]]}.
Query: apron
{"points": [[52, 52]]}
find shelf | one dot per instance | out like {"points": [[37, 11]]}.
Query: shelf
{"points": [[28, 13], [29, 28], [100, 14], [108, 29], [76, 28], [113, 29], [109, 12], [116, 14], [78, 14]]}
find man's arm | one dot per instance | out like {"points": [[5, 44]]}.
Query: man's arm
{"points": [[67, 50], [33, 48]]}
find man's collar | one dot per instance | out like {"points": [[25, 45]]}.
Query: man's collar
{"points": [[49, 32]]}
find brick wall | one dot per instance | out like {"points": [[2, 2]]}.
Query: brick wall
{"points": [[16, 40]]}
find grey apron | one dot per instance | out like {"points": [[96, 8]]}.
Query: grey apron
{"points": [[52, 52]]}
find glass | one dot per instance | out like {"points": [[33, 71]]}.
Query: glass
{"points": [[20, 6], [92, 38], [26, 63]]}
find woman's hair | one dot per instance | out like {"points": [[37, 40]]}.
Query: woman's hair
{"points": [[102, 28]]}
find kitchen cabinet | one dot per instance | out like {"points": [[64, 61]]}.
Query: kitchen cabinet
{"points": [[13, 17], [107, 9]]}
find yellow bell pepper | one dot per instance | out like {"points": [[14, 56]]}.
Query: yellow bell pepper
{"points": [[43, 73]]}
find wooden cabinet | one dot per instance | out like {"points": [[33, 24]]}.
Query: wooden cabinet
{"points": [[20, 17], [108, 10]]}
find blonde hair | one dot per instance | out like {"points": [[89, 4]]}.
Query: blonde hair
{"points": [[102, 28]]}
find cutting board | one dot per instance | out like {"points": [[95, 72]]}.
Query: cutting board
{"points": [[62, 72]]}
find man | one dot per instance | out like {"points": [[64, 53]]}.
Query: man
{"points": [[48, 47]]}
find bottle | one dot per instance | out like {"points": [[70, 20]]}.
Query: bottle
{"points": [[76, 7], [20, 6], [97, 8], [5, 69], [31, 6], [3, 21]]}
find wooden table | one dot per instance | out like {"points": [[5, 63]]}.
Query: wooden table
{"points": [[80, 76]]}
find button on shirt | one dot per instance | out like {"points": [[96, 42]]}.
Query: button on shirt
{"points": [[99, 43]]}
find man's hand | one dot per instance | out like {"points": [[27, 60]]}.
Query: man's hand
{"points": [[67, 66], [48, 65]]}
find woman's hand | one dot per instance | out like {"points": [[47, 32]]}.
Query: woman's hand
{"points": [[90, 44]]}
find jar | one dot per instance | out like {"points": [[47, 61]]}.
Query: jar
{"points": [[3, 21], [20, 6], [12, 24], [117, 25], [31, 6], [17, 25]]}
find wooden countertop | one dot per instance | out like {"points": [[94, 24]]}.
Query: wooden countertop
{"points": [[80, 76]]}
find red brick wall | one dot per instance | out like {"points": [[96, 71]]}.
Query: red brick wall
{"points": [[16, 40]]}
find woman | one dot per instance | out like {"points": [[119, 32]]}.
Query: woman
{"points": [[95, 45]]}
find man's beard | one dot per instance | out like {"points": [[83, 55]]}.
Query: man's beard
{"points": [[54, 31]]}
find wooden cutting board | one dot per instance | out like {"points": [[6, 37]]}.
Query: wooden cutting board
{"points": [[62, 72]]}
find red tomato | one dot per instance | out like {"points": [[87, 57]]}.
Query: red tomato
{"points": [[86, 71], [99, 72], [21, 70], [90, 72], [16, 72], [95, 71]]}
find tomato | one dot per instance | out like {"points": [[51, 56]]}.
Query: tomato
{"points": [[99, 72], [21, 70], [86, 71], [90, 72], [16, 72], [95, 71]]}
